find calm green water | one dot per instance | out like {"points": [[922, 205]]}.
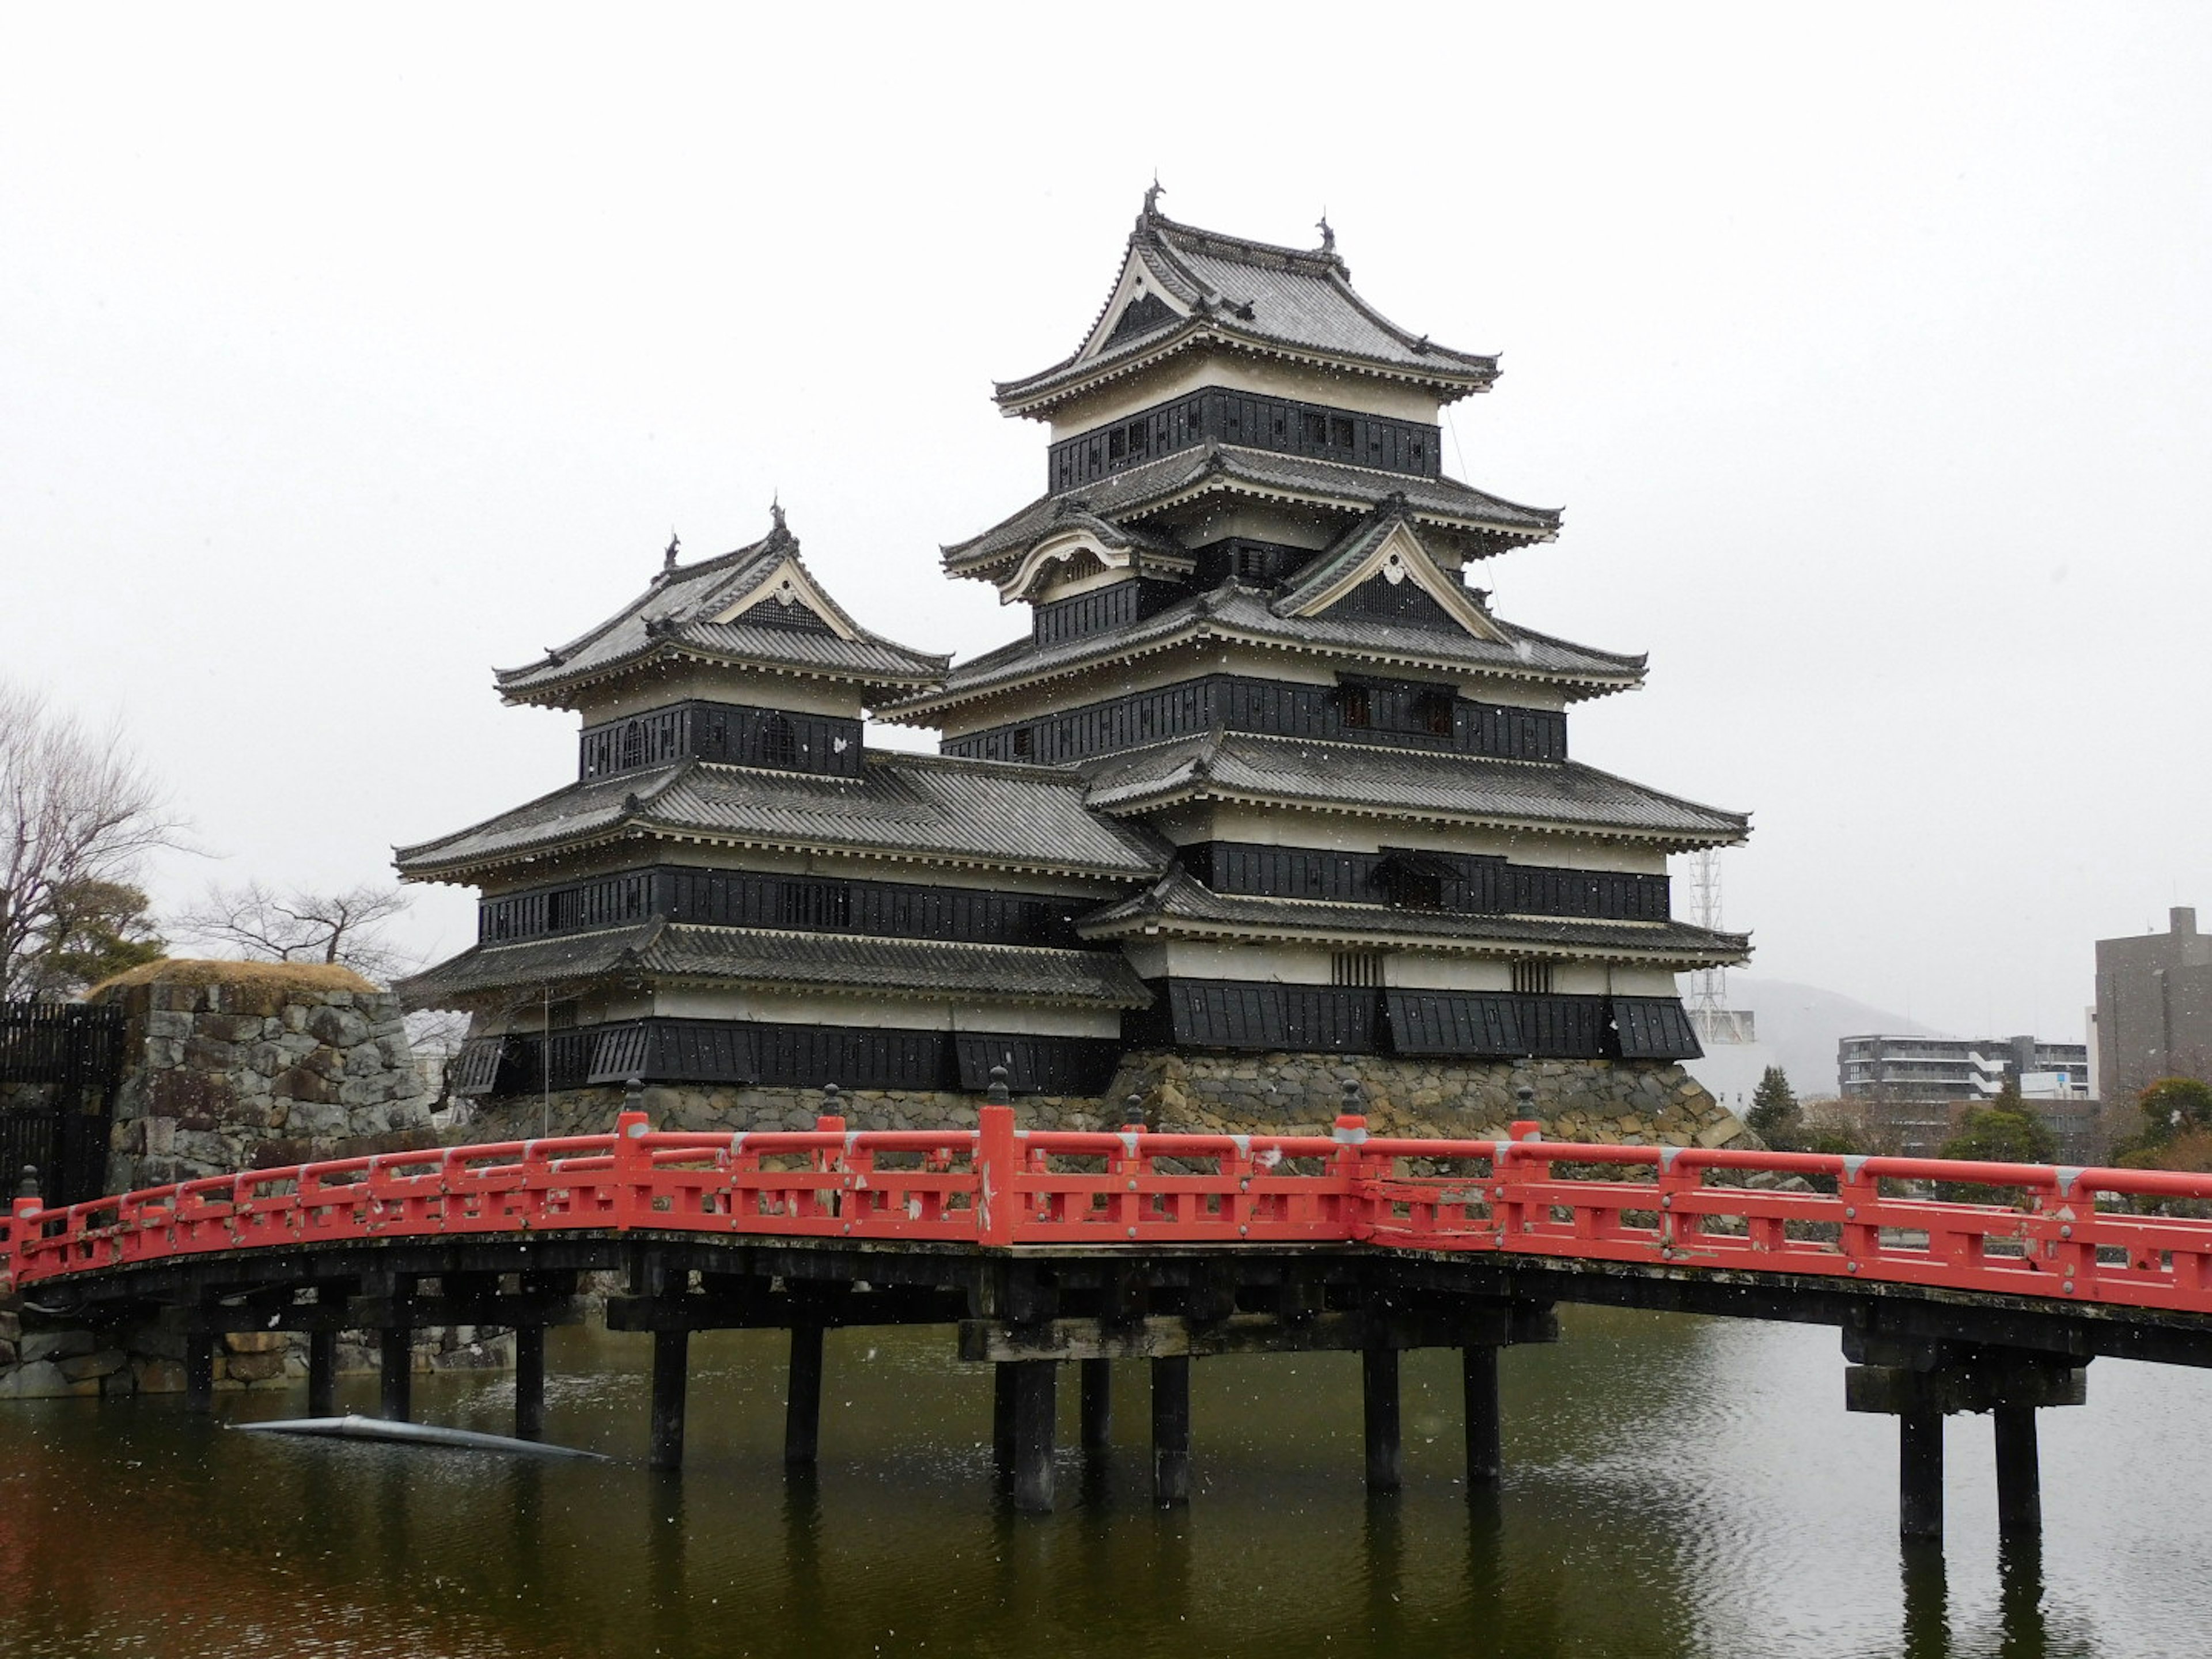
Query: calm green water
{"points": [[1677, 1486]]}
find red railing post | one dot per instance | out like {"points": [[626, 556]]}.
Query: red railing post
{"points": [[21, 1229], [998, 1169], [1360, 1191], [633, 1171]]}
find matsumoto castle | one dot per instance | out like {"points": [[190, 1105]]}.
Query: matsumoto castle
{"points": [[1265, 775]]}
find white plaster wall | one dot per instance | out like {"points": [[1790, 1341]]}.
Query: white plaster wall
{"points": [[638, 694], [1190, 370]]}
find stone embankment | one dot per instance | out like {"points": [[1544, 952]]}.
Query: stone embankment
{"points": [[245, 1065]]}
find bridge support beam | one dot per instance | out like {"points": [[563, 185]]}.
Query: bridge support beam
{"points": [[1171, 1432], [1921, 1383], [670, 1359], [530, 1382], [322, 1373], [1378, 1377], [802, 1405], [1486, 1456], [395, 1372], [1098, 1405], [1036, 1403]]}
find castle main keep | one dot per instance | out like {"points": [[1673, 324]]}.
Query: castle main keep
{"points": [[1269, 793]]}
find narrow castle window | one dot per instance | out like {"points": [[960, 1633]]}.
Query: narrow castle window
{"points": [[1532, 979], [1361, 970], [779, 743]]}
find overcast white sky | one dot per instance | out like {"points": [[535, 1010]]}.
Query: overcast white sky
{"points": [[344, 354]]}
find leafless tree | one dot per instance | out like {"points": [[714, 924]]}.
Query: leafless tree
{"points": [[263, 924], [76, 809]]}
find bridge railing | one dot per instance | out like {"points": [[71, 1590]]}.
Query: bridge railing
{"points": [[2075, 1234]]}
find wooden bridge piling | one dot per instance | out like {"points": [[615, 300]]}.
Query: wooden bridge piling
{"points": [[395, 1372], [322, 1372], [1097, 1406], [1036, 1408], [1486, 1458], [671, 1357], [2019, 1491], [1920, 1383], [1171, 1431], [1920, 1473], [802, 1408], [1378, 1378], [530, 1382], [199, 1371], [1002, 1422]]}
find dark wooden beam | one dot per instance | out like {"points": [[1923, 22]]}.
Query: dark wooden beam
{"points": [[1378, 1390], [802, 1408], [530, 1381], [1036, 1399], [671, 1356], [1171, 1431], [1164, 1334]]}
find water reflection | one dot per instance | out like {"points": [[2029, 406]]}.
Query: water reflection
{"points": [[1674, 1488]]}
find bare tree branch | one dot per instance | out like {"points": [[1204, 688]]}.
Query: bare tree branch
{"points": [[261, 924], [75, 808]]}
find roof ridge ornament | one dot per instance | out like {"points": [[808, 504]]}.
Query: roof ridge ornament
{"points": [[668, 554], [1327, 236], [1152, 193]]}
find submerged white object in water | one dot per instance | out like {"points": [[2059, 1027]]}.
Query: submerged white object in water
{"points": [[352, 1426]]}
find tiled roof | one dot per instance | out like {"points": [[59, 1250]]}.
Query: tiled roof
{"points": [[1403, 782], [1181, 903], [1254, 294], [1145, 488], [958, 811], [1235, 611], [672, 615], [668, 951]]}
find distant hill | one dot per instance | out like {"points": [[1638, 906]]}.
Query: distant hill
{"points": [[1799, 1027]]}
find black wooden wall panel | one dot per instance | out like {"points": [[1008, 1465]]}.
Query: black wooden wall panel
{"points": [[1485, 885], [1260, 1014], [780, 739], [1654, 1027], [1394, 714], [729, 898], [667, 1050], [1286, 426]]}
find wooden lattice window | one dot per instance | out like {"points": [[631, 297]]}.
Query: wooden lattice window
{"points": [[1362, 969], [1532, 979]]}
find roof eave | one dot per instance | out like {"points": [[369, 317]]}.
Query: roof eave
{"points": [[558, 691], [1159, 925], [1208, 788], [1036, 395]]}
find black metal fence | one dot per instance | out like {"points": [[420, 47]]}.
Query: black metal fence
{"points": [[59, 1064]]}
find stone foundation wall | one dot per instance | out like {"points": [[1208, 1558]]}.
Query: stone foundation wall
{"points": [[53, 1360], [709, 1107], [239, 1065], [1608, 1101]]}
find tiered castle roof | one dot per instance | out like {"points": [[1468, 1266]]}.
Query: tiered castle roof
{"points": [[1265, 771]]}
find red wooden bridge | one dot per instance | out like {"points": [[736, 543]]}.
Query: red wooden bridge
{"points": [[1049, 1246]]}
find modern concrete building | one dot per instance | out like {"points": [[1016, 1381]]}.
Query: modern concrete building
{"points": [[2153, 1007], [1959, 1068]]}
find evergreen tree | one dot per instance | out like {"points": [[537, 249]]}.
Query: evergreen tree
{"points": [[97, 929], [1775, 1116]]}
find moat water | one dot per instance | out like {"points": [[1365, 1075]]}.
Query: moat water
{"points": [[1676, 1486]]}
